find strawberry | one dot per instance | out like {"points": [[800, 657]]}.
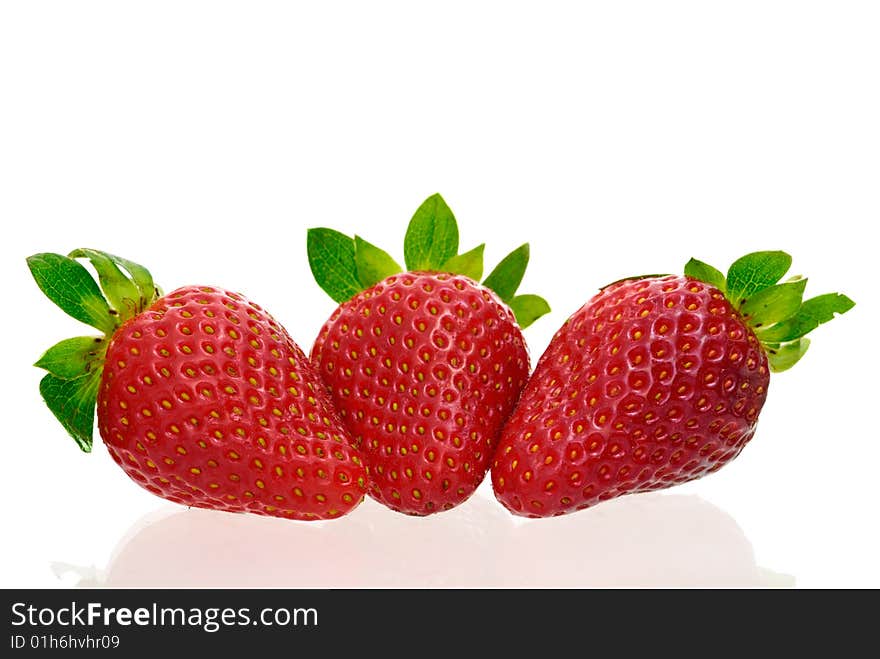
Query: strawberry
{"points": [[655, 381], [424, 366], [202, 397]]}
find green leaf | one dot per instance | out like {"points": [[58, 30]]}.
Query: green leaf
{"points": [[73, 358], [774, 304], [755, 272], [705, 273], [331, 258], [69, 285], [528, 308], [141, 278], [469, 264], [121, 292], [507, 275], [812, 313], [73, 404], [372, 264], [783, 357], [432, 236]]}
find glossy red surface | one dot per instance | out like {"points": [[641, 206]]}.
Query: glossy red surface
{"points": [[206, 401], [424, 369], [653, 382]]}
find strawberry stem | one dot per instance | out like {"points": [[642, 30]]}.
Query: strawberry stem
{"points": [[74, 366], [776, 312]]}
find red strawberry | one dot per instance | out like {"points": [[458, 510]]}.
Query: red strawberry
{"points": [[424, 366], [202, 397], [655, 381]]}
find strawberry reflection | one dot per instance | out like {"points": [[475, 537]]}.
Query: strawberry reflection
{"points": [[649, 540]]}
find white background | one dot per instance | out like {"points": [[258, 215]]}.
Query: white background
{"points": [[618, 138]]}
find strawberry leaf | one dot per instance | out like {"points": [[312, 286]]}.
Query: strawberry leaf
{"points": [[75, 365], [344, 266], [140, 276], [69, 285], [775, 311], [755, 272], [507, 275], [812, 313], [121, 292], [332, 260], [705, 273], [73, 358], [773, 304], [73, 404], [783, 357], [432, 236], [528, 308], [372, 263], [469, 264]]}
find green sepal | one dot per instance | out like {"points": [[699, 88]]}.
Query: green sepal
{"points": [[141, 277], [469, 264], [776, 312], [345, 266], [431, 237], [332, 260], [70, 389], [783, 357], [74, 358], [508, 274], [812, 313], [528, 308], [754, 272], [705, 273], [372, 263], [70, 286], [773, 304], [73, 404], [121, 292]]}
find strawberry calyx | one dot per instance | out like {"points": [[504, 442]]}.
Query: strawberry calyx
{"points": [[775, 310], [74, 366], [343, 266]]}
